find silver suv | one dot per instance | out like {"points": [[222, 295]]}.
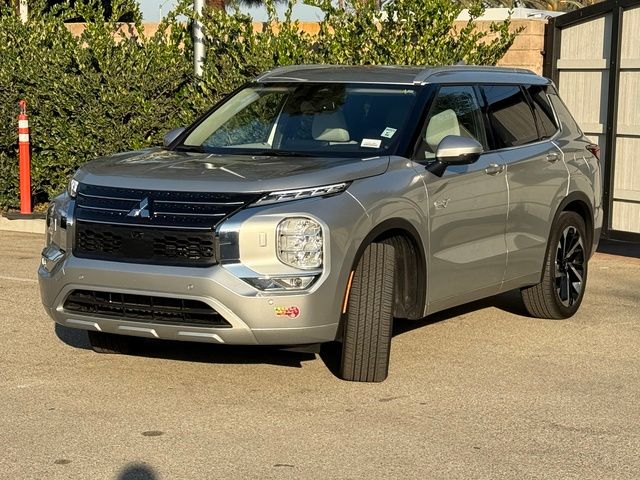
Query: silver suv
{"points": [[318, 203]]}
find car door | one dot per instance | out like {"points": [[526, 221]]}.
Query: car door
{"points": [[467, 205], [536, 174]]}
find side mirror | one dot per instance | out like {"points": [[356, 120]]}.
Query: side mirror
{"points": [[455, 150], [171, 135]]}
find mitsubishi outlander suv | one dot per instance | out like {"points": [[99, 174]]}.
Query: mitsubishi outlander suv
{"points": [[318, 203]]}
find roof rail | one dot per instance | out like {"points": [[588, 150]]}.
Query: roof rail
{"points": [[424, 75], [277, 72]]}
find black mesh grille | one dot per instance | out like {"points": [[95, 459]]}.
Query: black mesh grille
{"points": [[144, 245], [151, 226], [144, 308]]}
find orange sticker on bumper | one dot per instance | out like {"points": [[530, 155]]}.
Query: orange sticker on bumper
{"points": [[291, 312]]}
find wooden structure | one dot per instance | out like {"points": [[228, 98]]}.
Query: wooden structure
{"points": [[593, 56]]}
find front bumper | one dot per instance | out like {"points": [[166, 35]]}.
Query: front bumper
{"points": [[265, 317], [255, 317]]}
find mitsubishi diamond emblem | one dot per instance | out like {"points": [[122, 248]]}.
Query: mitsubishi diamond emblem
{"points": [[142, 210]]}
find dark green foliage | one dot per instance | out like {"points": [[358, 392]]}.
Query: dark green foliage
{"points": [[126, 15], [88, 96], [113, 89]]}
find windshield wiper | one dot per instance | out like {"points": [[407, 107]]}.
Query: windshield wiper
{"points": [[189, 148], [277, 153], [233, 151]]}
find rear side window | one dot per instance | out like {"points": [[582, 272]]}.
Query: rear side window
{"points": [[510, 116], [542, 111], [567, 122]]}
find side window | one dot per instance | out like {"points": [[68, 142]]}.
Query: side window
{"points": [[567, 122], [510, 116], [542, 111], [454, 111]]}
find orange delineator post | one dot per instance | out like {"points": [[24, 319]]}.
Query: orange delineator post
{"points": [[24, 155]]}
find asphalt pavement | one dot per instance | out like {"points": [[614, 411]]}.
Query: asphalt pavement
{"points": [[481, 391]]}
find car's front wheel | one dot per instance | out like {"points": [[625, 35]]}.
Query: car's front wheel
{"points": [[366, 341], [564, 279]]}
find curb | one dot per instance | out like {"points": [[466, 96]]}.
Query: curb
{"points": [[34, 225]]}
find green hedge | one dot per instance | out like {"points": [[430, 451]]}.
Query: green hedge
{"points": [[113, 89]]}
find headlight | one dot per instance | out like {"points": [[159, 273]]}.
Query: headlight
{"points": [[299, 243], [55, 242], [51, 224], [56, 222], [72, 188], [300, 193]]}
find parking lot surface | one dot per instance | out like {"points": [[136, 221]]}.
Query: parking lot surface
{"points": [[480, 391]]}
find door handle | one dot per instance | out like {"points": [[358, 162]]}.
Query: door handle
{"points": [[494, 169], [552, 157]]}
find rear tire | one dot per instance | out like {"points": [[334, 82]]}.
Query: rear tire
{"points": [[102, 342], [366, 342], [561, 290]]}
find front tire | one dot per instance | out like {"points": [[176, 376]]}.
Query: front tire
{"points": [[561, 290], [366, 342]]}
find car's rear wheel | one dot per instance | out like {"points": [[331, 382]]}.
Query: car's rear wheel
{"points": [[368, 323], [561, 290], [102, 342]]}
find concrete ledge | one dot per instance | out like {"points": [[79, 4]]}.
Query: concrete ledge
{"points": [[35, 225]]}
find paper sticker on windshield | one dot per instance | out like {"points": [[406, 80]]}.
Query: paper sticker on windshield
{"points": [[388, 132], [370, 143]]}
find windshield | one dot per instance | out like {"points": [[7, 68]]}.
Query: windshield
{"points": [[306, 119]]}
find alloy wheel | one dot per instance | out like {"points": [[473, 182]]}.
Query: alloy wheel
{"points": [[569, 266]]}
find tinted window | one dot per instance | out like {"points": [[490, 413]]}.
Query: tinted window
{"points": [[510, 116], [567, 122], [455, 111], [542, 110]]}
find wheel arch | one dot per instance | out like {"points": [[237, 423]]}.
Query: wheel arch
{"points": [[579, 203], [411, 264]]}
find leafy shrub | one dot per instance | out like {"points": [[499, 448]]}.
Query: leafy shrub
{"points": [[113, 88], [97, 94], [407, 32]]}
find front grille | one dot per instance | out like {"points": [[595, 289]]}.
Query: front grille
{"points": [[151, 226], [144, 308], [144, 245]]}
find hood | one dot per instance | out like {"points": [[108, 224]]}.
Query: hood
{"points": [[159, 169]]}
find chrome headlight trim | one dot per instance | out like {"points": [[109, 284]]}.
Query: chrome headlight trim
{"points": [[72, 188], [286, 283], [51, 257]]}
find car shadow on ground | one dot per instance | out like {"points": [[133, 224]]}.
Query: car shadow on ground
{"points": [[624, 249], [197, 352], [329, 353], [509, 302]]}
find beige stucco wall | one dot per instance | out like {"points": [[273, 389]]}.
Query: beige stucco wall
{"points": [[526, 52]]}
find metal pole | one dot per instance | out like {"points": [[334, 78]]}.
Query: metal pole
{"points": [[24, 11], [198, 39]]}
